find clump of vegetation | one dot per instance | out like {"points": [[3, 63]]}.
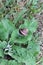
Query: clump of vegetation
{"points": [[18, 41]]}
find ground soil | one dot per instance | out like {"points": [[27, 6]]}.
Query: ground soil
{"points": [[40, 29], [39, 16]]}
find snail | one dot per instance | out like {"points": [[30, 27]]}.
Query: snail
{"points": [[23, 32]]}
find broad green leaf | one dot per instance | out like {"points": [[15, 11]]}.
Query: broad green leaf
{"points": [[3, 44], [3, 32], [3, 62], [7, 24], [22, 55], [13, 62], [31, 25], [6, 27], [24, 39], [16, 38], [30, 61], [1, 53], [32, 45], [13, 36]]}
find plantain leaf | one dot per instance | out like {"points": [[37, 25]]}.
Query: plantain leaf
{"points": [[16, 38], [3, 62], [1, 53], [31, 25], [3, 44], [6, 27], [13, 62]]}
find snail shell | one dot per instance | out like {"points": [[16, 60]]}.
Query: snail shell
{"points": [[23, 32]]}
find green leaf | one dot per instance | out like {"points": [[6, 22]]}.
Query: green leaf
{"points": [[3, 32], [32, 45], [31, 25], [30, 61], [23, 55], [35, 2], [8, 1], [1, 53], [13, 62], [29, 2], [3, 44], [24, 39], [7, 24], [19, 16], [16, 38], [13, 36], [6, 27], [3, 62]]}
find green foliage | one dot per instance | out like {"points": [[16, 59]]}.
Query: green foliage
{"points": [[17, 48], [3, 62], [5, 28]]}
